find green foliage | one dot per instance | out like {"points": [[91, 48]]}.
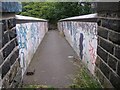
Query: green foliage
{"points": [[34, 87], [53, 11], [84, 80]]}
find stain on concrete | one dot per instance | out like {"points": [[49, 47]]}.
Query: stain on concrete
{"points": [[81, 45]]}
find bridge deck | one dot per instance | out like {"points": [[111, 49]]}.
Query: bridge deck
{"points": [[51, 63]]}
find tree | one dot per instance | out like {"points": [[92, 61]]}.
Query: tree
{"points": [[53, 11]]}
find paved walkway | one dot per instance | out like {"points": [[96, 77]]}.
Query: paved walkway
{"points": [[51, 63]]}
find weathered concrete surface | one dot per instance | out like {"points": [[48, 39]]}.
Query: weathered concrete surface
{"points": [[51, 63]]}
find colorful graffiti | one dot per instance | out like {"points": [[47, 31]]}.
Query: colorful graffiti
{"points": [[22, 31], [29, 37], [92, 53], [82, 36]]}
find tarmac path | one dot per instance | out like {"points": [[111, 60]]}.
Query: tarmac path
{"points": [[51, 63]]}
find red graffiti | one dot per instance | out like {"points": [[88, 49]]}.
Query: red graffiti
{"points": [[92, 53]]}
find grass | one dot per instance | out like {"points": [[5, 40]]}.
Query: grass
{"points": [[81, 80], [84, 80], [35, 87]]}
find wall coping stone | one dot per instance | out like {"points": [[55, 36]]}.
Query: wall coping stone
{"points": [[10, 7], [82, 17], [25, 19]]}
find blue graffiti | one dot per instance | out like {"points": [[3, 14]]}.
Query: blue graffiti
{"points": [[22, 42], [22, 37], [74, 34], [33, 33]]}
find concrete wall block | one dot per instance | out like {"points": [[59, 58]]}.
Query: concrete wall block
{"points": [[16, 42], [99, 22], [5, 83], [5, 39], [14, 71], [112, 62], [106, 45], [115, 80], [111, 24], [103, 32], [17, 80], [17, 66], [117, 52], [103, 80], [105, 69], [12, 46], [8, 49], [107, 6], [4, 25], [98, 40], [17, 52], [114, 37], [108, 9], [1, 58], [12, 33], [118, 68], [12, 75], [107, 83], [102, 54], [97, 63], [109, 14], [100, 76], [96, 71], [5, 68], [1, 33], [11, 23], [13, 58]]}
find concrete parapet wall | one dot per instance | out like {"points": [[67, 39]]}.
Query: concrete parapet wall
{"points": [[30, 34], [82, 36]]}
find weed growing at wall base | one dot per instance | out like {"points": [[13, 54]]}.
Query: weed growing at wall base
{"points": [[83, 80], [34, 87]]}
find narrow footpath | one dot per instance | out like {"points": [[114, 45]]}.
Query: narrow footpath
{"points": [[51, 62]]}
